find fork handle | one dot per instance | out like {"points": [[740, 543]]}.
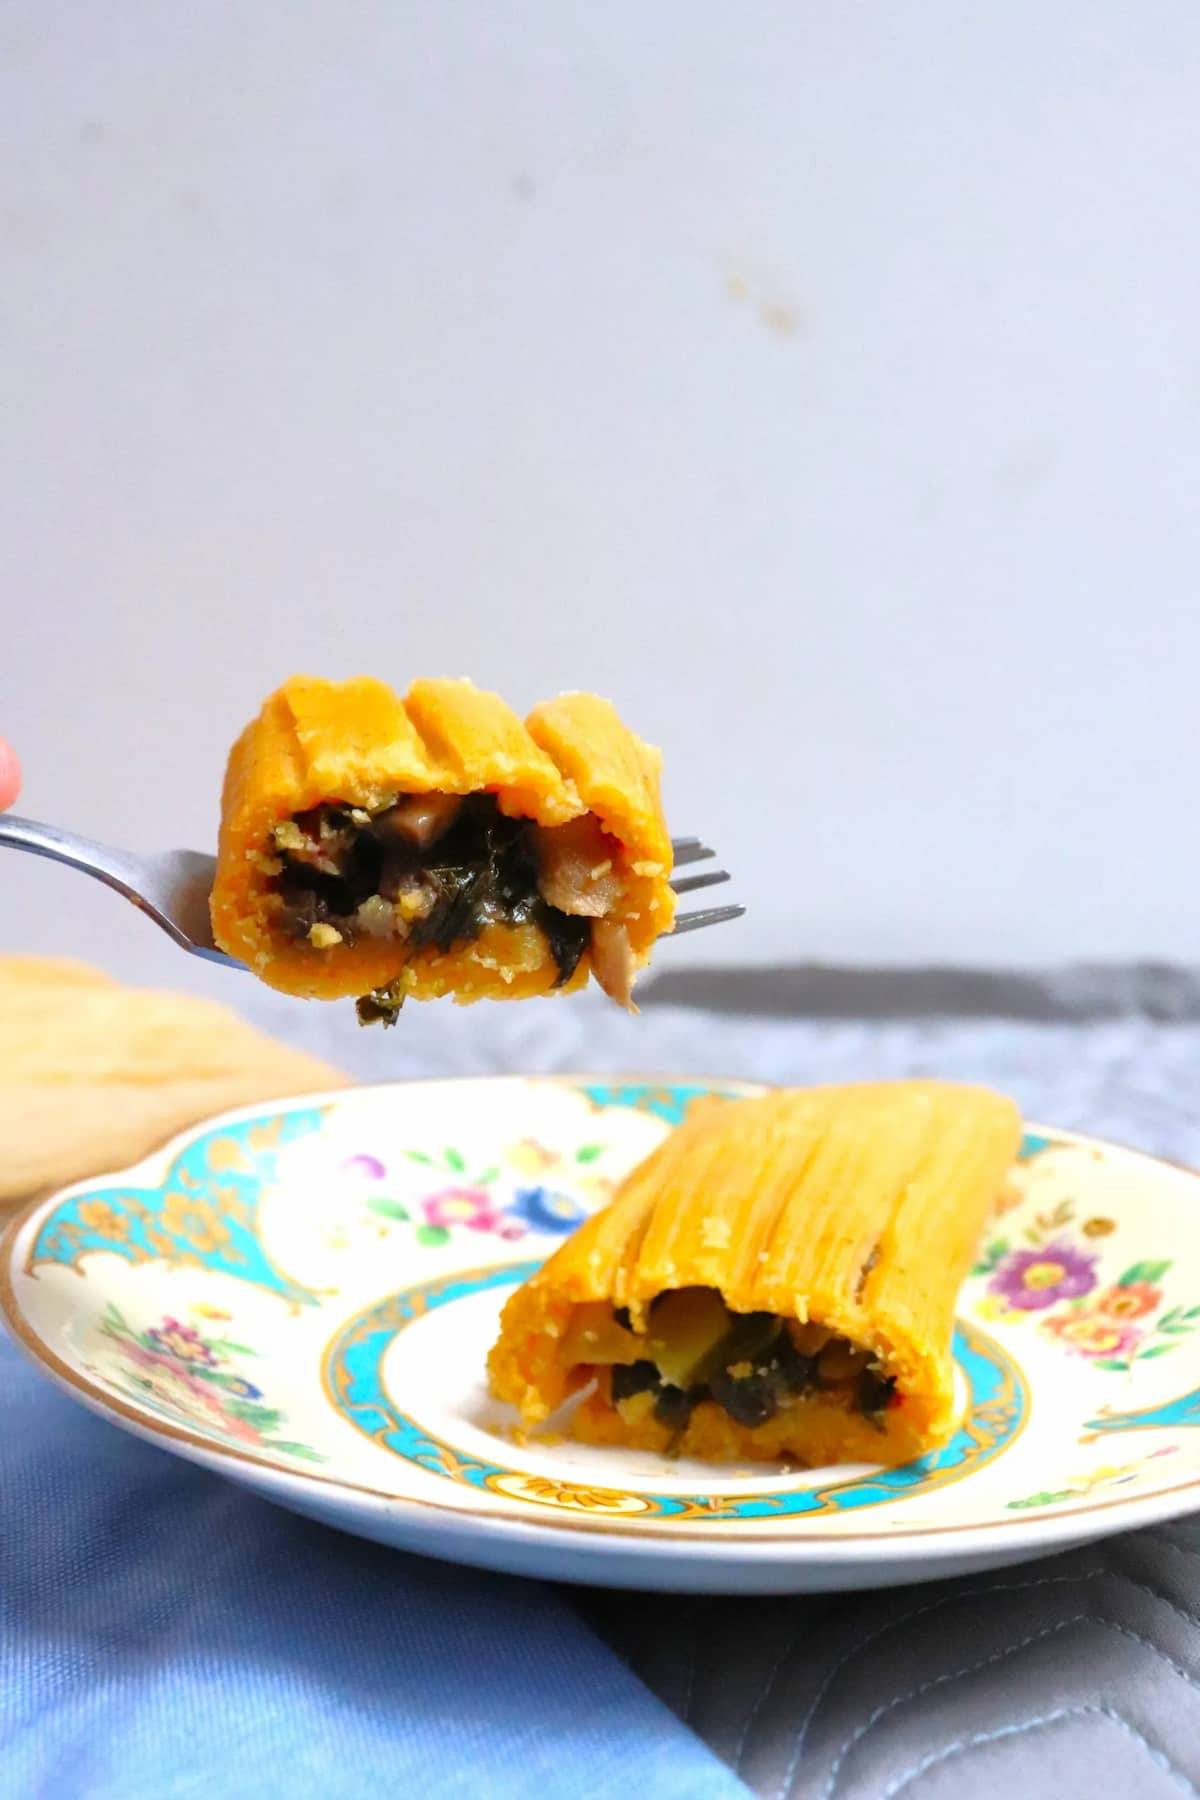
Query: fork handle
{"points": [[113, 867]]}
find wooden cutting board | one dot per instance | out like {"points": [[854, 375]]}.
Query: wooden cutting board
{"points": [[94, 1075]]}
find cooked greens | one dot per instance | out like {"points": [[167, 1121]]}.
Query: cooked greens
{"points": [[434, 871], [748, 1363], [381, 1006]]}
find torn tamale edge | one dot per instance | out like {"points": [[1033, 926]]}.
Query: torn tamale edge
{"points": [[356, 744], [853, 1209]]}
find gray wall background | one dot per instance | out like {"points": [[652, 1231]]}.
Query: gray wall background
{"points": [[822, 383]]}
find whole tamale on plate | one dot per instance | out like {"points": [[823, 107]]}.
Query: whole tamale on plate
{"points": [[777, 1280], [302, 1296]]}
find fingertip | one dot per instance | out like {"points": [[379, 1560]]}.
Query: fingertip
{"points": [[10, 775]]}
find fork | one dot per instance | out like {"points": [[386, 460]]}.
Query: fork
{"points": [[173, 886]]}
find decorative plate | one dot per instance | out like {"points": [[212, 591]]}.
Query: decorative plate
{"points": [[302, 1298]]}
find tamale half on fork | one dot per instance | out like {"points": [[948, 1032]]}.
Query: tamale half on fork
{"points": [[776, 1280], [397, 849]]}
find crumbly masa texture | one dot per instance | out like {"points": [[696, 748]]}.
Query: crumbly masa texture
{"points": [[777, 1280], [390, 849]]}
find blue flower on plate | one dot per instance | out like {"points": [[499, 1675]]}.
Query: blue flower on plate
{"points": [[545, 1209], [240, 1388]]}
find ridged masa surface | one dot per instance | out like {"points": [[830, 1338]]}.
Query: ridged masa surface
{"points": [[855, 1207], [359, 744]]}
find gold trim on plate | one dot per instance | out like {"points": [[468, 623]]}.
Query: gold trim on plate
{"points": [[101, 1400]]}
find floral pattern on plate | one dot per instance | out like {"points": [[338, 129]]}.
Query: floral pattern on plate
{"points": [[1107, 1476], [193, 1379], [1059, 1281], [304, 1297], [492, 1201]]}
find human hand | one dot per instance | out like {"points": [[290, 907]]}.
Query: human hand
{"points": [[10, 775]]}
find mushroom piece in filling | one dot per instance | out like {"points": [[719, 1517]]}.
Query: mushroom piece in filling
{"points": [[693, 1348], [434, 869]]}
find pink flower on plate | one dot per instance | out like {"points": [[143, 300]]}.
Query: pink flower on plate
{"points": [[148, 1359], [1090, 1334], [1133, 1300], [469, 1206], [167, 1382], [182, 1342], [242, 1429]]}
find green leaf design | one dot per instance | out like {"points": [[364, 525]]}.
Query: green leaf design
{"points": [[115, 1325], [253, 1412], [387, 1209], [1179, 1329], [589, 1153], [1156, 1350], [1151, 1272], [1170, 1318], [1112, 1363], [432, 1235], [1042, 1499], [420, 1157], [993, 1254], [304, 1450], [454, 1160], [227, 1347], [487, 1178], [1193, 1312]]}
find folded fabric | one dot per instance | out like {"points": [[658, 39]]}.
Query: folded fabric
{"points": [[164, 1633]]}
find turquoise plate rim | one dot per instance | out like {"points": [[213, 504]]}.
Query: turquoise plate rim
{"points": [[310, 1491]]}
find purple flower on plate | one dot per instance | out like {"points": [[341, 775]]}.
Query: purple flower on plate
{"points": [[545, 1209], [367, 1168], [1032, 1279]]}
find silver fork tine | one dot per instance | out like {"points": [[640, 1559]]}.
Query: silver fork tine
{"points": [[690, 850], [712, 915], [687, 884]]}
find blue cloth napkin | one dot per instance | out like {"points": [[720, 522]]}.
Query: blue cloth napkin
{"points": [[164, 1633]]}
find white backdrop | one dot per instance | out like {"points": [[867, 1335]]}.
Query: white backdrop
{"points": [[820, 382]]}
